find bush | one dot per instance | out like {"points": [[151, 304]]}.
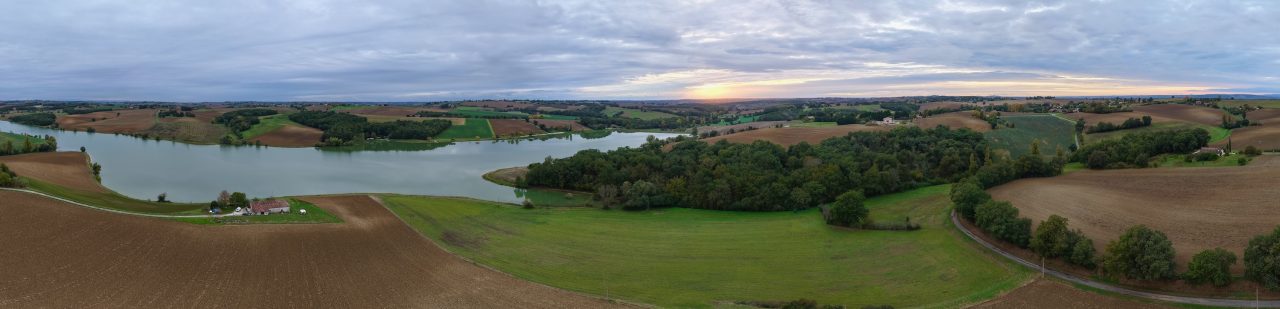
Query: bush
{"points": [[1262, 260], [1052, 238], [1082, 252], [1210, 266], [1141, 254], [1000, 219], [967, 196], [1252, 151], [848, 210]]}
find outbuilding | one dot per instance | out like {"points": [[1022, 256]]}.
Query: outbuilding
{"points": [[269, 206]]}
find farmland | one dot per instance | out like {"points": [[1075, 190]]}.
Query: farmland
{"points": [[67, 175], [1045, 293], [954, 120], [1187, 113], [1224, 210], [635, 113], [18, 139], [368, 258], [1050, 131], [475, 128], [788, 136], [1216, 133], [513, 127], [695, 258]]}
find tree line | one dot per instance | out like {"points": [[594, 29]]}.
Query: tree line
{"points": [[9, 148], [767, 177], [343, 128], [1137, 149], [1131, 123], [35, 119]]}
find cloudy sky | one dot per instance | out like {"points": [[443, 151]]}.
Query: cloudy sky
{"points": [[416, 50]]}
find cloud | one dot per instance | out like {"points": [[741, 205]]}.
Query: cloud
{"points": [[400, 50]]}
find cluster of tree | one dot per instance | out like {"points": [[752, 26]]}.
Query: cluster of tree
{"points": [[465, 115], [802, 303], [1052, 239], [241, 120], [343, 128], [1136, 149], [766, 177], [1229, 122], [77, 110], [9, 148], [1130, 123], [175, 112], [998, 219], [228, 202], [35, 119], [8, 178]]}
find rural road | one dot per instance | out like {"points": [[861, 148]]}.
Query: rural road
{"points": [[115, 210], [1120, 290]]}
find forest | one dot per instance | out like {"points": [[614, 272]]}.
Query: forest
{"points": [[343, 128], [241, 120], [766, 177], [35, 119]]}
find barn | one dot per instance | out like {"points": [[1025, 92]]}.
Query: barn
{"points": [[269, 206]]}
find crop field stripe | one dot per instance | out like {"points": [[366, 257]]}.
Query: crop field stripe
{"points": [[1051, 130]]}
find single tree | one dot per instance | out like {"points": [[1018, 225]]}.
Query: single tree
{"points": [[848, 210], [1210, 266], [1141, 254]]}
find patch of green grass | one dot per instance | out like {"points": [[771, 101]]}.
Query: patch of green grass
{"points": [[314, 215], [474, 128], [473, 111], [1216, 134], [1051, 132], [1178, 160], [268, 124], [114, 200], [813, 124], [739, 120], [388, 145], [635, 113], [19, 139], [697, 258], [558, 117], [556, 198]]}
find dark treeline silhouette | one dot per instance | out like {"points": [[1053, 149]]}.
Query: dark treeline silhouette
{"points": [[343, 128]]}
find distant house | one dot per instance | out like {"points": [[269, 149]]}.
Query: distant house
{"points": [[269, 206], [889, 121], [1213, 150]]}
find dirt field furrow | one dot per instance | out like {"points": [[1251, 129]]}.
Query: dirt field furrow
{"points": [[60, 255]]}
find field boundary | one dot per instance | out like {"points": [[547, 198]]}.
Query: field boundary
{"points": [[112, 210], [1220, 302]]}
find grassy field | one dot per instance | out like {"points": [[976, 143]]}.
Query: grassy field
{"points": [[813, 124], [558, 117], [483, 112], [473, 129], [268, 124], [635, 113], [741, 119], [314, 215], [1215, 133], [1178, 161], [18, 139], [1051, 131], [701, 258], [114, 200]]}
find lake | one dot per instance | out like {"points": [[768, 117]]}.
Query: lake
{"points": [[143, 169]]}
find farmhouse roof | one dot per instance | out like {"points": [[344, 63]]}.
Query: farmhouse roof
{"points": [[265, 205]]}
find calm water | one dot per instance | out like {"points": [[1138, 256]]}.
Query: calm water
{"points": [[196, 173]]}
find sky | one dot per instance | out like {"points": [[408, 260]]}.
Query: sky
{"points": [[423, 50]]}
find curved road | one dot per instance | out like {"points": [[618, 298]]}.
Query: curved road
{"points": [[1119, 290], [117, 210]]}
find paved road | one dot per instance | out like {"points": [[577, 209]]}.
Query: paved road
{"points": [[1120, 290], [117, 210]]}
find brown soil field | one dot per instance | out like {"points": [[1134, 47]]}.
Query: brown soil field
{"points": [[290, 136], [1188, 113], [955, 120], [573, 124], [393, 111], [1198, 208], [59, 255], [498, 104], [1044, 293], [513, 127], [188, 130], [1265, 137], [944, 105], [740, 127], [507, 175], [1114, 118], [1265, 116], [67, 169], [129, 121], [791, 135]]}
